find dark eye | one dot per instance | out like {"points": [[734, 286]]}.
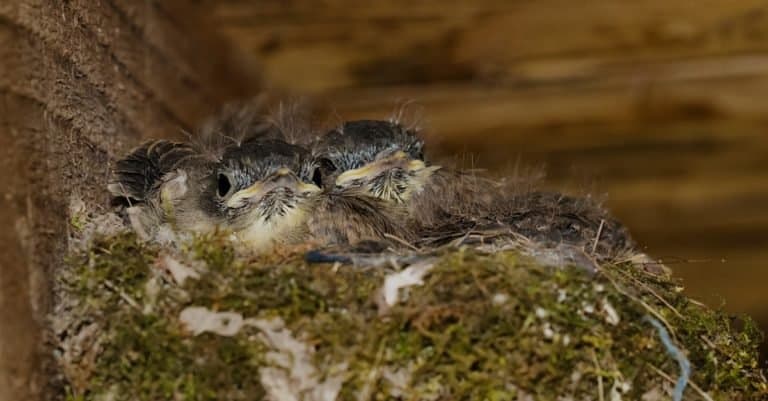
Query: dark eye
{"points": [[327, 166], [417, 152], [224, 185], [317, 177]]}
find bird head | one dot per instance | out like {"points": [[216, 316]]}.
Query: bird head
{"points": [[262, 187], [381, 159]]}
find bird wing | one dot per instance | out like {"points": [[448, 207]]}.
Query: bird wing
{"points": [[137, 175]]}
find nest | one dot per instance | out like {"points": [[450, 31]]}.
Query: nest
{"points": [[198, 321]]}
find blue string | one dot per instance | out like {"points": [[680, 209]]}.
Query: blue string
{"points": [[321, 257], [685, 365]]}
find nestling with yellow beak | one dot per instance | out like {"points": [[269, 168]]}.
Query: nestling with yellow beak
{"points": [[385, 160], [261, 190]]}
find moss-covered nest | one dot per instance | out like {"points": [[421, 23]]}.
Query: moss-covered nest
{"points": [[139, 322]]}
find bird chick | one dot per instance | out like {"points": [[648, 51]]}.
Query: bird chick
{"points": [[157, 182], [261, 190], [348, 218], [264, 192], [385, 161], [378, 158]]}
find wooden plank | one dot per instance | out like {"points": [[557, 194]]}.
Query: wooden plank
{"points": [[405, 42]]}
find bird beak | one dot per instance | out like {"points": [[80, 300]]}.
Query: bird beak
{"points": [[281, 178], [305, 188], [255, 191], [415, 165], [369, 170], [286, 178], [398, 159]]}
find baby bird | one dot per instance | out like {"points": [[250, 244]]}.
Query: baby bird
{"points": [[555, 218], [261, 190], [264, 191], [384, 160], [160, 180]]}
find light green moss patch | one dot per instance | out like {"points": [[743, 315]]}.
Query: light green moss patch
{"points": [[480, 327]]}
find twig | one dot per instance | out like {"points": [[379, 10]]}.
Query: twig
{"points": [[649, 289], [122, 294], [460, 240], [714, 346], [647, 307], [373, 375], [698, 389], [598, 370], [127, 198], [401, 241], [677, 260], [597, 236]]}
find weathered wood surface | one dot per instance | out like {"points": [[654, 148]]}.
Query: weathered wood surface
{"points": [[661, 105], [80, 82]]}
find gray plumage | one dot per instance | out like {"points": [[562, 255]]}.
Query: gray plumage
{"points": [[137, 176], [444, 204], [357, 143]]}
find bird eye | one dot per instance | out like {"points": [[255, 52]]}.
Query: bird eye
{"points": [[317, 177], [417, 152], [224, 185], [327, 166]]}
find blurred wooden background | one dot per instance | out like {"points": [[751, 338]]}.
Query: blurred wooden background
{"points": [[661, 105]]}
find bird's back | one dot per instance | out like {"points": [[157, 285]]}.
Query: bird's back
{"points": [[137, 175]]}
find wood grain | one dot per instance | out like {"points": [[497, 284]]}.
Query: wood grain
{"points": [[80, 83]]}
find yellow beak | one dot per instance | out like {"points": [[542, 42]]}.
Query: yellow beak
{"points": [[259, 188], [416, 165], [369, 170], [303, 187], [376, 167], [239, 197]]}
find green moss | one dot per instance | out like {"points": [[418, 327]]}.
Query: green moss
{"points": [[481, 327], [110, 270], [77, 222]]}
